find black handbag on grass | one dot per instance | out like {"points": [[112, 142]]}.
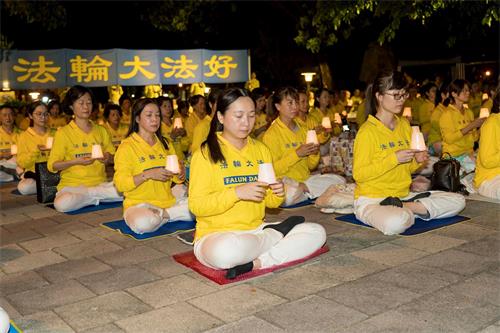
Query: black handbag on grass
{"points": [[446, 175], [46, 183]]}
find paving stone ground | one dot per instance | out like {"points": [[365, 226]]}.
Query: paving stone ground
{"points": [[61, 273]]}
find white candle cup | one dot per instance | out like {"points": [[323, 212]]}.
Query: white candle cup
{"points": [[407, 112], [312, 137], [466, 106], [485, 96], [13, 149], [349, 102], [178, 123], [49, 142], [417, 141], [484, 113], [266, 173], [97, 151], [338, 120], [173, 164], [415, 129], [326, 122]]}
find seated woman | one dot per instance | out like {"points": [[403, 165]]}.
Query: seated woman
{"points": [[56, 119], [230, 204], [293, 158], [9, 135], [83, 178], [32, 147], [383, 163], [112, 117], [141, 175], [487, 178], [177, 135], [434, 140]]}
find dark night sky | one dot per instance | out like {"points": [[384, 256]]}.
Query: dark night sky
{"points": [[263, 29]]}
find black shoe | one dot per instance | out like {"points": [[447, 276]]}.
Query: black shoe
{"points": [[286, 225], [391, 201], [419, 196], [233, 272]]}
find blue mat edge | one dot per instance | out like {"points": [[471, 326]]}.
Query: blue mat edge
{"points": [[91, 208], [413, 230], [121, 227], [300, 204]]}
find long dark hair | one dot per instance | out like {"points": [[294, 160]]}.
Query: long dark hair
{"points": [[455, 87], [383, 82], [137, 109], [32, 108], [228, 97], [72, 95]]}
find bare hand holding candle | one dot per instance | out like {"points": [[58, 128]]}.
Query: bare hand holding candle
{"points": [[13, 149], [326, 123], [173, 164], [338, 120], [97, 151], [312, 137], [49, 142], [484, 113], [266, 173], [178, 123]]}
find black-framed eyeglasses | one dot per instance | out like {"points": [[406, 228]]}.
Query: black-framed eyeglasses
{"points": [[398, 96]]}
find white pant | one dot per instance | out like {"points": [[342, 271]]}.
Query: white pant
{"points": [[5, 177], [27, 186], [223, 250], [392, 220], [72, 198], [317, 184], [490, 188]]}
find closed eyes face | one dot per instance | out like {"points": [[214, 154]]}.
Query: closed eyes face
{"points": [[82, 107], [239, 118], [149, 119]]}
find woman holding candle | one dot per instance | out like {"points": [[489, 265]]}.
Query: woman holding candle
{"points": [[487, 177], [426, 107], [112, 117], [434, 140], [293, 158], [32, 146], [83, 177], [9, 134], [383, 163], [141, 175], [177, 134], [230, 204], [56, 119]]}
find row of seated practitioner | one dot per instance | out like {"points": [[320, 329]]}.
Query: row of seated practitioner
{"points": [[223, 194]]}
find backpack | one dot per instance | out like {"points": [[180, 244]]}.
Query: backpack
{"points": [[446, 175]]}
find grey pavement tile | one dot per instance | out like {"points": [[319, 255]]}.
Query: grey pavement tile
{"points": [[93, 233], [94, 219], [333, 226], [164, 267], [483, 287], [62, 218], [169, 245], [296, 283], [457, 262], [110, 328], [11, 252], [46, 212], [389, 254], [250, 324], [64, 227], [477, 208], [116, 279], [43, 322], [417, 278], [15, 283], [122, 240], [491, 221], [101, 310], [11, 311], [312, 314], [72, 269], [49, 297], [7, 237], [428, 242], [490, 329], [89, 248], [464, 230], [32, 261], [49, 242], [346, 267], [488, 246], [35, 225], [169, 291], [130, 256], [369, 296], [355, 239], [179, 317], [234, 303]]}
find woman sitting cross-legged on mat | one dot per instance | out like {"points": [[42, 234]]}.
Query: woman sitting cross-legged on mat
{"points": [[229, 204], [83, 178], [141, 175], [383, 163]]}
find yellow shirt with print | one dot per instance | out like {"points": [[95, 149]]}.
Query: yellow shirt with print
{"points": [[181, 144], [213, 199], [71, 142], [488, 157], [28, 152], [135, 156], [376, 169], [451, 123], [435, 130], [283, 143], [8, 139], [116, 135]]}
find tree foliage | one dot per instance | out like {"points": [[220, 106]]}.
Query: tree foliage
{"points": [[326, 22]]}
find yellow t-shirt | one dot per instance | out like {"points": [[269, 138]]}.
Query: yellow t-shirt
{"points": [[282, 143], [71, 142], [375, 167], [28, 153], [190, 125], [451, 123], [260, 121], [200, 133], [181, 144], [488, 157], [213, 199], [116, 135], [7, 140], [361, 113], [435, 130], [424, 116], [55, 123], [474, 103], [132, 158]]}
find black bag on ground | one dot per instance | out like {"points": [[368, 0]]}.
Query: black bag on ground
{"points": [[46, 183], [446, 175]]}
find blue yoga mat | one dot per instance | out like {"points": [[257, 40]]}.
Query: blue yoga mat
{"points": [[166, 229], [418, 227], [93, 208], [300, 204], [13, 328]]}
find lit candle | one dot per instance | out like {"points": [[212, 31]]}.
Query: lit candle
{"points": [[177, 122], [407, 112], [415, 129], [466, 106], [484, 113], [338, 120], [97, 151], [326, 123], [312, 137], [417, 141], [266, 173], [485, 96], [344, 113], [349, 102], [13, 149], [49, 142], [173, 164]]}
